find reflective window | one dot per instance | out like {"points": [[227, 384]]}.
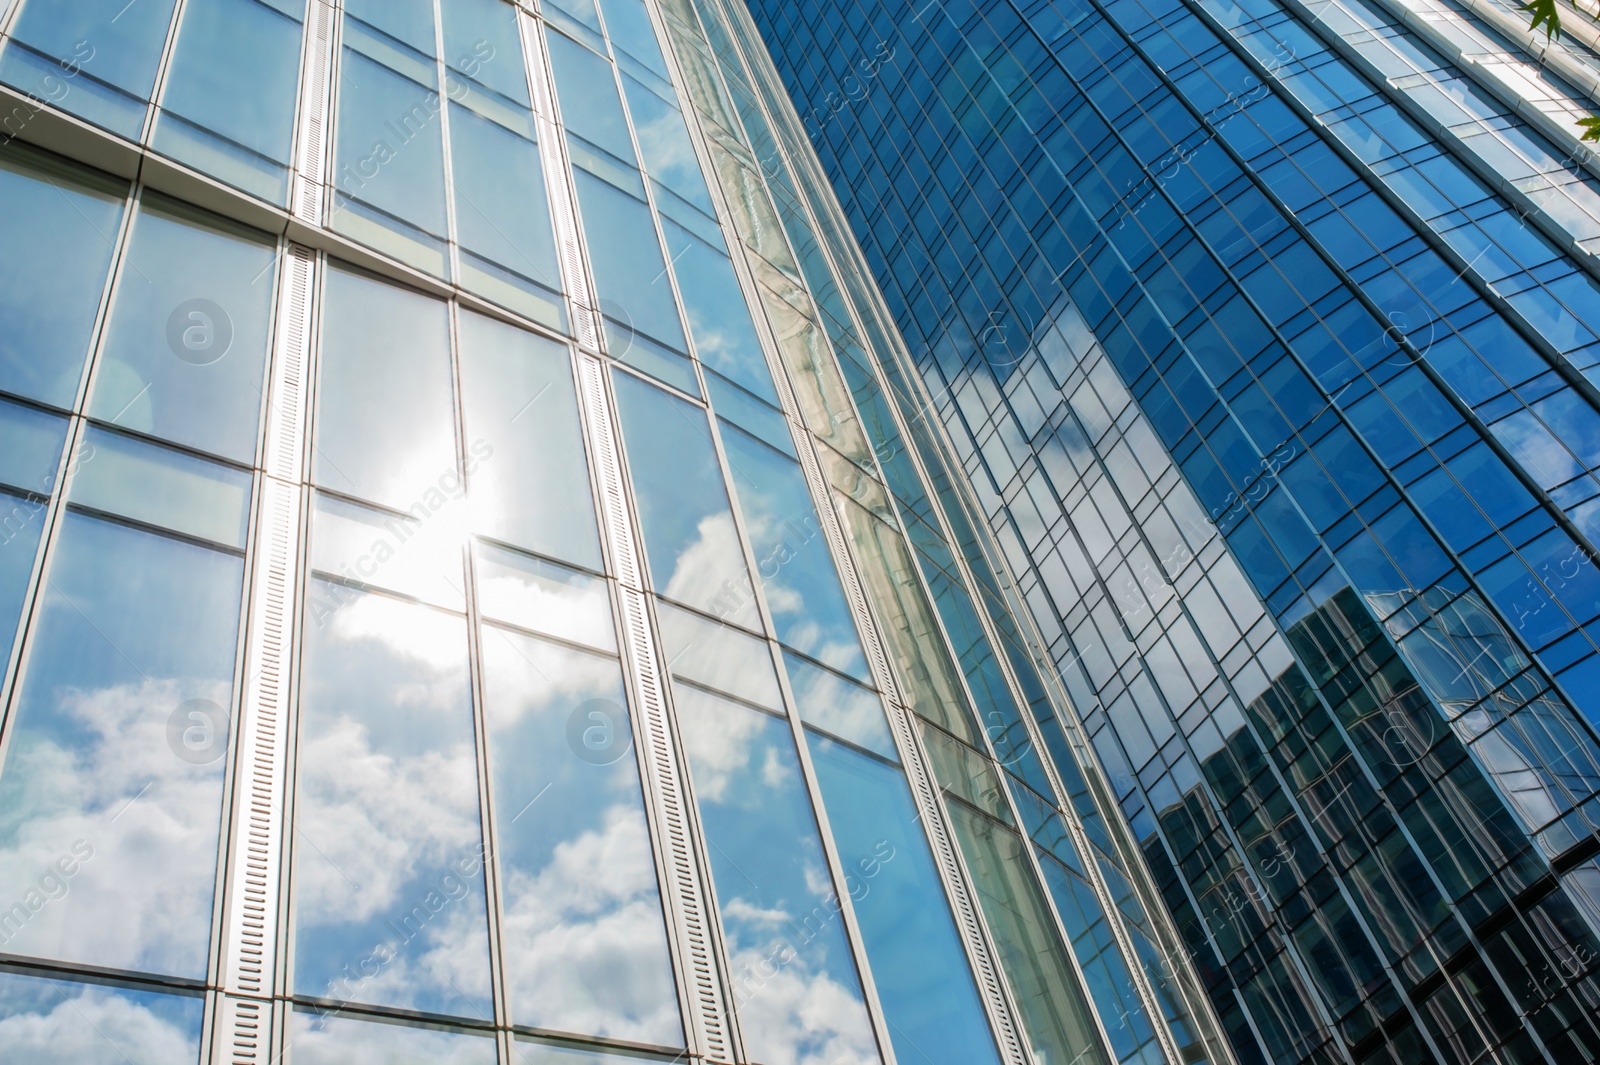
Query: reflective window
{"points": [[94, 58], [781, 921], [57, 1022], [719, 318], [30, 450], [919, 967], [664, 140], [690, 539], [389, 148], [525, 455], [186, 346], [585, 945], [586, 86], [803, 590], [628, 26], [158, 486], [55, 250], [631, 278], [114, 765], [335, 1039], [481, 43], [833, 704], [388, 854], [419, 558], [384, 428], [719, 657], [228, 106], [543, 597]]}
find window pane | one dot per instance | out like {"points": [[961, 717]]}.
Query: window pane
{"points": [[628, 26], [719, 318], [719, 657], [541, 596], [833, 704], [55, 250], [481, 42], [803, 590], [629, 272], [384, 426], [316, 1039], [502, 217], [30, 449], [119, 475], [417, 558], [664, 139], [94, 58], [525, 465], [690, 539], [409, 21], [228, 106], [186, 348], [119, 742], [587, 90], [56, 1022], [1054, 1013], [389, 166], [388, 869], [918, 965], [585, 940], [781, 921]]}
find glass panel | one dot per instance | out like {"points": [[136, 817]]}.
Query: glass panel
{"points": [[228, 106], [629, 272], [530, 1051], [833, 704], [409, 21], [529, 483], [719, 318], [384, 425], [116, 754], [323, 1039], [1054, 1014], [186, 347], [795, 984], [803, 590], [420, 559], [94, 58], [531, 593], [30, 450], [388, 858], [56, 1022], [664, 140], [586, 87], [628, 26], [55, 251], [481, 42], [918, 964], [389, 162], [690, 539], [155, 485], [502, 215], [718, 657], [585, 943]]}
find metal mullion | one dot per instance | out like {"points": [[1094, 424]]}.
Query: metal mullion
{"points": [[442, 73]]}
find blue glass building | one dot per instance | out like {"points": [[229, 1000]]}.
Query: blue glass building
{"points": [[1265, 333]]}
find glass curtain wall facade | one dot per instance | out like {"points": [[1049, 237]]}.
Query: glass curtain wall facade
{"points": [[1265, 334], [476, 585]]}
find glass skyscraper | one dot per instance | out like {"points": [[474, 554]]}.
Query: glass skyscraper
{"points": [[1266, 335], [594, 532]]}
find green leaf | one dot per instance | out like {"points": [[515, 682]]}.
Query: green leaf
{"points": [[1545, 11], [1591, 128]]}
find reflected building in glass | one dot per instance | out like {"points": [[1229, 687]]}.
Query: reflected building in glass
{"points": [[1265, 338], [478, 583]]}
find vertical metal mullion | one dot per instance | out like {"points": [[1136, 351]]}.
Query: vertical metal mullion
{"points": [[159, 86]]}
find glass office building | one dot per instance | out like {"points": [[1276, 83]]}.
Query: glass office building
{"points": [[1266, 336], [477, 583]]}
